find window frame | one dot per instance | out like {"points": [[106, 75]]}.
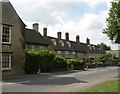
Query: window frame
{"points": [[10, 58], [9, 34], [67, 52], [59, 52], [69, 44], [54, 42], [62, 43]]}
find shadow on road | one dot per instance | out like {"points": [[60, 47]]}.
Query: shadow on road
{"points": [[50, 81]]}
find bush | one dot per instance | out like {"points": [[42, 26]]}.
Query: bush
{"points": [[105, 58], [115, 61], [31, 64], [60, 63], [47, 61], [77, 64], [36, 60]]}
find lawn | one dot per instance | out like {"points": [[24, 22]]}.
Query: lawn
{"points": [[108, 86]]}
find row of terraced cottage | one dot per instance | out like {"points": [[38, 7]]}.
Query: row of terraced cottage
{"points": [[16, 39]]}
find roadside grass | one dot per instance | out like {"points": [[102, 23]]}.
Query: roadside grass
{"points": [[108, 86]]}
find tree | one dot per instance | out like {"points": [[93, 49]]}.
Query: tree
{"points": [[104, 46], [113, 22]]}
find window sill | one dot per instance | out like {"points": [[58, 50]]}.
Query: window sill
{"points": [[6, 69], [5, 43]]}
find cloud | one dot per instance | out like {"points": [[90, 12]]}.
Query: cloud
{"points": [[53, 15]]}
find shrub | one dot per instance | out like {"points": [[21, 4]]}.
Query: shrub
{"points": [[46, 61], [31, 64], [105, 58], [36, 60], [115, 61], [78, 64], [60, 63]]}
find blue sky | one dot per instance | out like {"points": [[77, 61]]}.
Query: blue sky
{"points": [[86, 18]]}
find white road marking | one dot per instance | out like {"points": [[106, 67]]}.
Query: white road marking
{"points": [[4, 83], [65, 75]]}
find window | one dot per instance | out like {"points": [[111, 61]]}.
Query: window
{"points": [[6, 34], [74, 53], [54, 41], [6, 61], [33, 47], [62, 43], [69, 44], [93, 47], [90, 47], [59, 52], [66, 52]]}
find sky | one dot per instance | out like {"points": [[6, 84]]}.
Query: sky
{"points": [[86, 18]]}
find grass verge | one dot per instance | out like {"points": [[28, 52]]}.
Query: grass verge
{"points": [[108, 86]]}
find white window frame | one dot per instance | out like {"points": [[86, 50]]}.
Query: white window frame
{"points": [[59, 52], [62, 43], [54, 41], [9, 68], [69, 44], [9, 35], [33, 47], [67, 52], [74, 53]]}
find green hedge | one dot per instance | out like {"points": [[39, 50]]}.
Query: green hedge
{"points": [[77, 64], [36, 60], [31, 64], [115, 61], [46, 61], [60, 63]]}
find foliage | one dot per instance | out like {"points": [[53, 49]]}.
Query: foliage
{"points": [[106, 57], [113, 22], [115, 61], [104, 46], [36, 60], [60, 63], [76, 63], [46, 61], [31, 64]]}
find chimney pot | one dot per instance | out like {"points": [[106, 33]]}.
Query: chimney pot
{"points": [[45, 32], [67, 36], [59, 35], [77, 38], [88, 41], [35, 26]]}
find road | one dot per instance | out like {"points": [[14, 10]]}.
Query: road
{"points": [[70, 82]]}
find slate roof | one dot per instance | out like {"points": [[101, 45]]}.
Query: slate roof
{"points": [[34, 37], [75, 46]]}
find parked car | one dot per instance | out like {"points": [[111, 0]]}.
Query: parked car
{"points": [[118, 64]]}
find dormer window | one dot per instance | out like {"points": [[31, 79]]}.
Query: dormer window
{"points": [[90, 47], [93, 47], [6, 34], [69, 44], [62, 43], [54, 41]]}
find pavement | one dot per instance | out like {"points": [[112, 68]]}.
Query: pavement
{"points": [[9, 77]]}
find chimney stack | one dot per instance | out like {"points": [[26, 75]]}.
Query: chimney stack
{"points": [[59, 35], [67, 36], [45, 32], [88, 41], [77, 38], [35, 26]]}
